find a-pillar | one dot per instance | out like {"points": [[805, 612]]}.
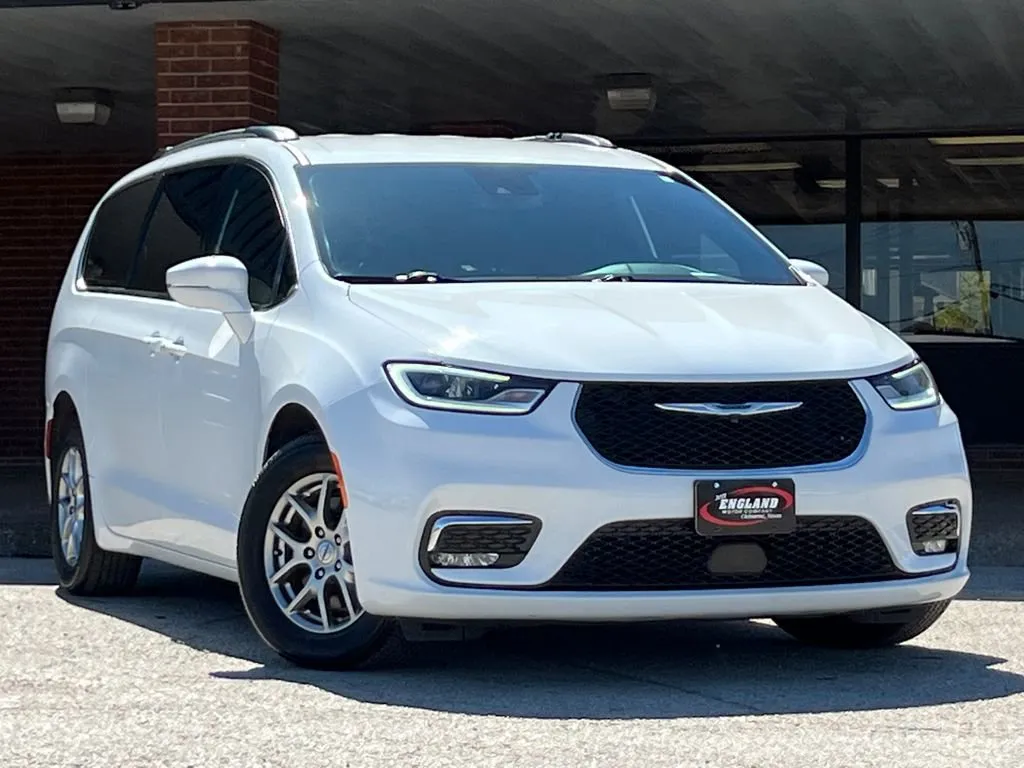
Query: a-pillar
{"points": [[212, 76]]}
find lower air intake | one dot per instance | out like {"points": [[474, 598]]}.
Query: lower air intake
{"points": [[670, 555]]}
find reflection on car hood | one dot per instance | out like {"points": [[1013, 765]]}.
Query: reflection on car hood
{"points": [[638, 330]]}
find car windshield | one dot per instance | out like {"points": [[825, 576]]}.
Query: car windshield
{"points": [[529, 222]]}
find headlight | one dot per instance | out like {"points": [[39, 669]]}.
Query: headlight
{"points": [[908, 388], [460, 389]]}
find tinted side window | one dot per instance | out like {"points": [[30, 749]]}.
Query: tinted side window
{"points": [[184, 225], [254, 234], [115, 236]]}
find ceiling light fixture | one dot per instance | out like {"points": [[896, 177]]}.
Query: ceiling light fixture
{"points": [[973, 141], [982, 162], [83, 106], [890, 183], [631, 92]]}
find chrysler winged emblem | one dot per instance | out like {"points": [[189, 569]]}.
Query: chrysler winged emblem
{"points": [[728, 409]]}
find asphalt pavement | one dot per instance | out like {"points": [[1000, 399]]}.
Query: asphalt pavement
{"points": [[174, 676]]}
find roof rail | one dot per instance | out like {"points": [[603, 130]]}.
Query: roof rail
{"points": [[571, 138], [272, 132]]}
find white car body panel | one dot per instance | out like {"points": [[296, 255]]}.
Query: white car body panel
{"points": [[130, 483], [660, 331], [174, 443]]}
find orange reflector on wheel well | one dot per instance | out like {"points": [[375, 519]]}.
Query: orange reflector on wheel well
{"points": [[341, 480]]}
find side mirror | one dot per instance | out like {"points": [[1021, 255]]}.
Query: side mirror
{"points": [[811, 269], [220, 283]]}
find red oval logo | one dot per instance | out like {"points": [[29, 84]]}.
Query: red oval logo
{"points": [[743, 507]]}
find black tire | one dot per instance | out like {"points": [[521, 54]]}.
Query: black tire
{"points": [[870, 629], [96, 571], [371, 641]]}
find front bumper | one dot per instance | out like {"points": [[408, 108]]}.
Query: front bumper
{"points": [[403, 465]]}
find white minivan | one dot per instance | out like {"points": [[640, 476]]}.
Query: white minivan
{"points": [[390, 383]]}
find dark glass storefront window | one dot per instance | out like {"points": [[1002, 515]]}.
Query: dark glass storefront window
{"points": [[793, 191], [937, 237], [943, 237]]}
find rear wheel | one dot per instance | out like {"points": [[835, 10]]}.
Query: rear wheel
{"points": [[82, 567], [295, 567], [869, 629]]}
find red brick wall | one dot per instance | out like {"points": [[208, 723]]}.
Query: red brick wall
{"points": [[211, 75], [214, 75], [44, 202]]}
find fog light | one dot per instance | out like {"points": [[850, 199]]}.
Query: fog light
{"points": [[464, 559], [477, 540], [934, 528]]}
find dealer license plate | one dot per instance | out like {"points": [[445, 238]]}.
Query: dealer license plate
{"points": [[744, 507]]}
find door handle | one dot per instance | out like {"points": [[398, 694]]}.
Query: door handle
{"points": [[155, 342], [175, 349], [158, 343]]}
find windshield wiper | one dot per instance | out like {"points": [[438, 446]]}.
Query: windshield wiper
{"points": [[420, 276], [416, 276], [656, 278]]}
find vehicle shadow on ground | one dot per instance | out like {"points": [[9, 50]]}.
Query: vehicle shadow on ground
{"points": [[668, 670]]}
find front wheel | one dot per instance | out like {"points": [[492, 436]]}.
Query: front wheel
{"points": [[295, 568], [870, 629]]}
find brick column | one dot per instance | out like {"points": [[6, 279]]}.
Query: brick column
{"points": [[214, 75]]}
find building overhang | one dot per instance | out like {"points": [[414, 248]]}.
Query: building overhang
{"points": [[717, 68]]}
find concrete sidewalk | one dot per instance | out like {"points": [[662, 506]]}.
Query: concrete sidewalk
{"points": [[998, 538]]}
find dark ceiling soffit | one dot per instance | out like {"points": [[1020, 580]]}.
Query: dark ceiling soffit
{"points": [[839, 135], [122, 5]]}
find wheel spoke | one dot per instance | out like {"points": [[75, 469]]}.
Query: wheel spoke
{"points": [[343, 527], [302, 598], [303, 510], [69, 524], [349, 603], [287, 538], [322, 605], [70, 550], [284, 570], [322, 501]]}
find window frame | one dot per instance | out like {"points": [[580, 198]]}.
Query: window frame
{"points": [[227, 160], [267, 176], [148, 222], [80, 283]]}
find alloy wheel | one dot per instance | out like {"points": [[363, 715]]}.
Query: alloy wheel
{"points": [[71, 505], [308, 557]]}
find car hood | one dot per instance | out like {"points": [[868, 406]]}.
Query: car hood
{"points": [[638, 331]]}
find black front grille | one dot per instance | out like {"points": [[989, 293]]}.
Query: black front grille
{"points": [[623, 424], [669, 554]]}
